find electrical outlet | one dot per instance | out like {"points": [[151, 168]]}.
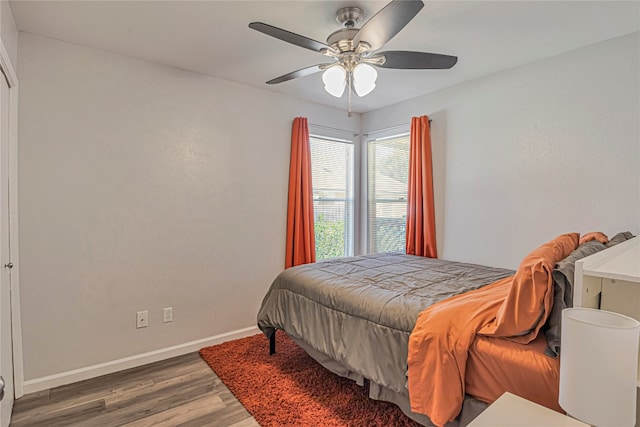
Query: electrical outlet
{"points": [[167, 314], [142, 319]]}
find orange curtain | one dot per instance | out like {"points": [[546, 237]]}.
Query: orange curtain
{"points": [[421, 221], [301, 242]]}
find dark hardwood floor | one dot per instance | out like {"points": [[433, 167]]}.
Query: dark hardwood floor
{"points": [[182, 391]]}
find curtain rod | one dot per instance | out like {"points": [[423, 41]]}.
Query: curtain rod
{"points": [[334, 129], [403, 125]]}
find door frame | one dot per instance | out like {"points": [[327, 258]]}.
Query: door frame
{"points": [[16, 319]]}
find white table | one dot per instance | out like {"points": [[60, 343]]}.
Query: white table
{"points": [[513, 411]]}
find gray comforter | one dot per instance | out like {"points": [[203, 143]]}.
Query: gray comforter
{"points": [[359, 311]]}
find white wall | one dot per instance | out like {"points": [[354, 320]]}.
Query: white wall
{"points": [[529, 153], [143, 187]]}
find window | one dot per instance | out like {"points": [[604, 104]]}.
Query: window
{"points": [[335, 184], [332, 162], [388, 164]]}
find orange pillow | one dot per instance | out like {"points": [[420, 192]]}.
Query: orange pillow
{"points": [[595, 235], [530, 296]]}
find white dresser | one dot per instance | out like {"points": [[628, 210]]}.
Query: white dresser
{"points": [[610, 280]]}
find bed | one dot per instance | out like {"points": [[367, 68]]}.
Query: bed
{"points": [[356, 315]]}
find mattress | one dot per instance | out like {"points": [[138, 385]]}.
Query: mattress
{"points": [[497, 365]]}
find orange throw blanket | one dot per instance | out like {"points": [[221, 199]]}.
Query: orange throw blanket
{"points": [[514, 307]]}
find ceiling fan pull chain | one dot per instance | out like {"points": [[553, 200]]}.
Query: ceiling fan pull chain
{"points": [[349, 88]]}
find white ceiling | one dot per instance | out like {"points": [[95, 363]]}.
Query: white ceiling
{"points": [[212, 37]]}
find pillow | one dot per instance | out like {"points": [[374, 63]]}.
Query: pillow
{"points": [[594, 235], [529, 300], [619, 238], [563, 277]]}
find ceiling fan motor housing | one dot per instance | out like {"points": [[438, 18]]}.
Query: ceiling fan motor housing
{"points": [[342, 40]]}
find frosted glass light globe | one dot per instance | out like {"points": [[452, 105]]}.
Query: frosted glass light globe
{"points": [[334, 79], [364, 79]]}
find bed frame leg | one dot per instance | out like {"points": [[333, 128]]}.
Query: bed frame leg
{"points": [[272, 343]]}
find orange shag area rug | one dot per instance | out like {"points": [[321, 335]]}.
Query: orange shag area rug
{"points": [[290, 388]]}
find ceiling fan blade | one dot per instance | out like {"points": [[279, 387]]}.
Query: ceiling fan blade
{"points": [[298, 73], [385, 24], [406, 59], [290, 37]]}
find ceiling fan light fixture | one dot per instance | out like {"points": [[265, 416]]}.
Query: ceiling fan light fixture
{"points": [[334, 79], [364, 79]]}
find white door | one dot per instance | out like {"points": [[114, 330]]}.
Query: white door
{"points": [[6, 342]]}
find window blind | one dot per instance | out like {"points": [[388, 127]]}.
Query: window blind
{"points": [[387, 184], [332, 164]]}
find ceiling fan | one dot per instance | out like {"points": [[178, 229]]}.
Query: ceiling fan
{"points": [[354, 50]]}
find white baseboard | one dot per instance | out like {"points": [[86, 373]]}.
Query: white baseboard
{"points": [[51, 381]]}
